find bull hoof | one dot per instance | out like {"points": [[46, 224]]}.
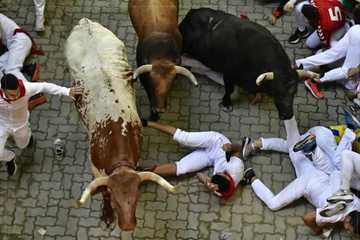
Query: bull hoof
{"points": [[226, 108]]}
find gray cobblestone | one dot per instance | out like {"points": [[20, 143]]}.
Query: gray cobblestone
{"points": [[44, 192]]}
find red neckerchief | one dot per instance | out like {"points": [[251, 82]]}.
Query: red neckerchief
{"points": [[226, 195], [21, 92], [35, 50]]}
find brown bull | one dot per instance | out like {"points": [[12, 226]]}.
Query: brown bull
{"points": [[98, 62], [159, 49]]}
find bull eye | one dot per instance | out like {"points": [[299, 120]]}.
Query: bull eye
{"points": [[117, 101]]}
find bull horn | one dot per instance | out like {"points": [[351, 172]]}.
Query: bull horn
{"points": [[186, 73], [263, 77], [307, 74], [142, 69], [150, 176], [97, 182]]}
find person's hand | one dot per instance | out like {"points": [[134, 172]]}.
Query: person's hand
{"points": [[227, 147], [353, 73], [76, 91], [212, 186], [204, 179], [289, 6]]}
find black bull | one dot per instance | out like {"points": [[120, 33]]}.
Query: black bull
{"points": [[241, 50]]}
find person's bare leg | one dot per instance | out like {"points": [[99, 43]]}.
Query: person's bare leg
{"points": [[168, 169], [162, 127]]}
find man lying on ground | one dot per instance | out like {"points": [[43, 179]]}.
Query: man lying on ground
{"points": [[212, 149], [311, 183]]}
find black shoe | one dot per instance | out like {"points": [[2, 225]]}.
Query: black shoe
{"points": [[11, 167], [350, 118], [306, 144], [298, 35], [248, 175]]}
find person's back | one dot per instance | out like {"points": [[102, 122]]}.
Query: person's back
{"points": [[7, 28], [322, 186]]}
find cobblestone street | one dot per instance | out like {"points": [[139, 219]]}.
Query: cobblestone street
{"points": [[42, 194]]}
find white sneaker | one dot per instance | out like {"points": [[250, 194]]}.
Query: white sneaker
{"points": [[341, 195], [248, 148], [39, 24], [332, 209]]}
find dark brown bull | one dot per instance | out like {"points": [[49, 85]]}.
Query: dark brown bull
{"points": [[98, 62], [158, 53]]}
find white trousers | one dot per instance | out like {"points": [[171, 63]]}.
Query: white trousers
{"points": [[305, 173], [199, 68], [12, 61], [207, 144], [21, 137], [350, 172], [347, 47], [301, 21], [327, 156], [39, 7]]}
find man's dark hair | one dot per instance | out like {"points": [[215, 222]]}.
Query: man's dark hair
{"points": [[355, 221], [9, 82], [221, 181], [311, 13], [356, 14]]}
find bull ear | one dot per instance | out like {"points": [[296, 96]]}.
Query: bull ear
{"points": [[150, 176], [91, 188]]}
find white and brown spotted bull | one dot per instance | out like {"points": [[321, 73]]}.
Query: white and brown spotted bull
{"points": [[98, 62], [158, 53]]}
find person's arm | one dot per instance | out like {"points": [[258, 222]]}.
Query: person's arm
{"points": [[162, 127], [50, 88], [310, 221], [353, 73], [331, 55]]}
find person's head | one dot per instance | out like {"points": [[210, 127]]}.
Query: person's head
{"points": [[225, 185], [221, 181], [10, 86], [352, 222], [311, 13], [356, 14]]}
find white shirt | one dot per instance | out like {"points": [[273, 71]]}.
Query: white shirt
{"points": [[7, 28], [212, 143], [321, 187], [15, 114], [346, 47], [321, 161], [235, 166]]}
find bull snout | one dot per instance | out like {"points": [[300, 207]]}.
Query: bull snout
{"points": [[161, 102], [161, 110], [128, 226]]}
